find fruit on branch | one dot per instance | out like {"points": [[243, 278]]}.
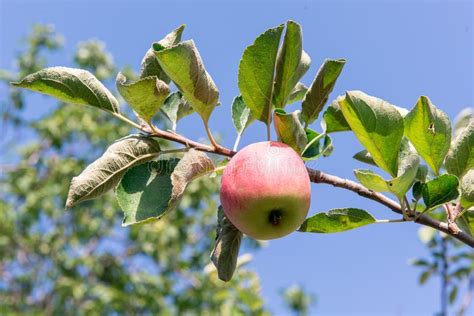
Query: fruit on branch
{"points": [[266, 190]]}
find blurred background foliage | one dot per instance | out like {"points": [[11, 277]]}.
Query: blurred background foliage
{"points": [[81, 261]]}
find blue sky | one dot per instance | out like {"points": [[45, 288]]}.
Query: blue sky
{"points": [[394, 50]]}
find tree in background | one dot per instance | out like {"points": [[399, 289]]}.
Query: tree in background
{"points": [[298, 300], [58, 261]]}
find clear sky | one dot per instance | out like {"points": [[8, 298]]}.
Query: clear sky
{"points": [[394, 50]]}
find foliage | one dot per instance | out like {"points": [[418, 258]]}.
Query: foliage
{"points": [[453, 264], [297, 300], [57, 261]]}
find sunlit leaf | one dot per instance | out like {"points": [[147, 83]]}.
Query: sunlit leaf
{"points": [[289, 64], [256, 73], [364, 156], [71, 85], [337, 220], [460, 158], [240, 115], [429, 130], [322, 85], [333, 119], [150, 65], [183, 64], [466, 222], [145, 96], [289, 129], [105, 173], [467, 189], [377, 125], [175, 108], [297, 93]]}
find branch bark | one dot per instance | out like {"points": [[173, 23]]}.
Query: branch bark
{"points": [[317, 176]]}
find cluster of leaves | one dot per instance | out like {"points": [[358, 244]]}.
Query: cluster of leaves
{"points": [[146, 189], [54, 261], [395, 139], [453, 264]]}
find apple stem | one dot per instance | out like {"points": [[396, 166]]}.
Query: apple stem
{"points": [[268, 132]]}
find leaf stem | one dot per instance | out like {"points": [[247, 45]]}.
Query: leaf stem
{"points": [[268, 131], [382, 221], [209, 135], [237, 141], [126, 120]]}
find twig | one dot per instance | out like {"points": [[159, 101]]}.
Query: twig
{"points": [[318, 176], [453, 227]]}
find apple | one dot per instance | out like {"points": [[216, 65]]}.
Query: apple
{"points": [[266, 190]]}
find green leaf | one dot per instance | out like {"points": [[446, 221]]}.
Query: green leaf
{"points": [[440, 190], [420, 263], [289, 64], [337, 220], [453, 294], [145, 191], [297, 93], [364, 156], [422, 173], [460, 158], [314, 149], [175, 108], [183, 64], [371, 180], [226, 250], [240, 115], [333, 119], [145, 96], [150, 65], [429, 130], [466, 222], [377, 125], [425, 276], [149, 191], [105, 173], [417, 190], [256, 73], [289, 129], [467, 189], [322, 86], [463, 119], [71, 85], [408, 162]]}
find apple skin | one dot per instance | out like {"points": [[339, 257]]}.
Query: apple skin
{"points": [[266, 190]]}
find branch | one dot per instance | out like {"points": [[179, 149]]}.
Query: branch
{"points": [[318, 176]]}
